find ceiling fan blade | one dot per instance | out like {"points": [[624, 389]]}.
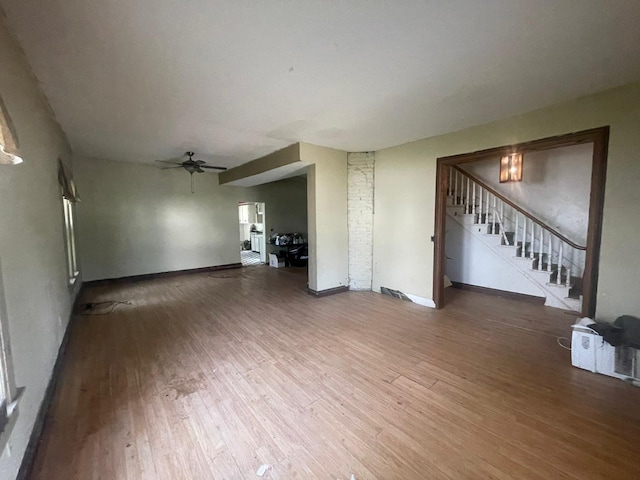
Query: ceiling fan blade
{"points": [[199, 162], [168, 168], [198, 169], [217, 168], [173, 161]]}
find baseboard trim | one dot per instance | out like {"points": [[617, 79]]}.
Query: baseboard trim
{"points": [[499, 293], [152, 276], [328, 291], [26, 466]]}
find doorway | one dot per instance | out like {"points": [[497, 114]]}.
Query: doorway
{"points": [[447, 166], [253, 248]]}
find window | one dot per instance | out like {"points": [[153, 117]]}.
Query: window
{"points": [[9, 155], [8, 393], [69, 198], [72, 262]]}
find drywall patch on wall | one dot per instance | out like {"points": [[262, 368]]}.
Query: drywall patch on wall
{"points": [[360, 194]]}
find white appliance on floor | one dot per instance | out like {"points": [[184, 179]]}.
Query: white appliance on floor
{"points": [[591, 352]]}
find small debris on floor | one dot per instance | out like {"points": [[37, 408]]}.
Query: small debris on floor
{"points": [[263, 469]]}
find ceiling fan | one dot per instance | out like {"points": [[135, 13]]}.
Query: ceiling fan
{"points": [[190, 165]]}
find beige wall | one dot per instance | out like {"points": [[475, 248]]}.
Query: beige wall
{"points": [[327, 206], [405, 194], [285, 204], [138, 219], [36, 299]]}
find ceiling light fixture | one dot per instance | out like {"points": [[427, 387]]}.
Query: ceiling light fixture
{"points": [[511, 168]]}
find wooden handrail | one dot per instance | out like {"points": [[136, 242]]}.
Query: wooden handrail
{"points": [[522, 211]]}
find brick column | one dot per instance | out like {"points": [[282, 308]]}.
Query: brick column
{"points": [[360, 177]]}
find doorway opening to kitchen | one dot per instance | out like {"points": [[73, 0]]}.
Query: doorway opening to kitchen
{"points": [[253, 248]]}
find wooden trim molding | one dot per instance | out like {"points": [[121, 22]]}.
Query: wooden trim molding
{"points": [[151, 276], [594, 229], [585, 136], [498, 293], [600, 139], [328, 291]]}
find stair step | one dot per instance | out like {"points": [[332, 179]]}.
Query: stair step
{"points": [[543, 274], [559, 296], [575, 304]]}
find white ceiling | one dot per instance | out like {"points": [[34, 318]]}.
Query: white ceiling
{"points": [[237, 79]]}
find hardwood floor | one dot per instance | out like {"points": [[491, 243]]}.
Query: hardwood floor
{"points": [[210, 376]]}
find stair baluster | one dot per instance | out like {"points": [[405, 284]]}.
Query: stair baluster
{"points": [[452, 172], [488, 208], [524, 238], [493, 216], [480, 213], [540, 249], [515, 235], [533, 240], [473, 202], [455, 188], [568, 281], [550, 253], [559, 279], [502, 230], [468, 209]]}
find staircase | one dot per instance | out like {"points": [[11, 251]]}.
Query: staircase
{"points": [[541, 254]]}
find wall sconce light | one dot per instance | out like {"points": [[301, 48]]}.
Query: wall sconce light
{"points": [[511, 168]]}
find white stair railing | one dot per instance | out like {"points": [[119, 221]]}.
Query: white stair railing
{"points": [[534, 239]]}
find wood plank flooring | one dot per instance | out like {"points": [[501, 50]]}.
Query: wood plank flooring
{"points": [[211, 376]]}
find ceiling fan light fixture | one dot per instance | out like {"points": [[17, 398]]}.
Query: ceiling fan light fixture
{"points": [[190, 165], [511, 168]]}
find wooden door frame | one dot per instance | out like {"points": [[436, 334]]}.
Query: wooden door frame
{"points": [[600, 139]]}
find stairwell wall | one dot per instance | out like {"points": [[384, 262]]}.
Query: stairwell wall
{"points": [[471, 262], [555, 186]]}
